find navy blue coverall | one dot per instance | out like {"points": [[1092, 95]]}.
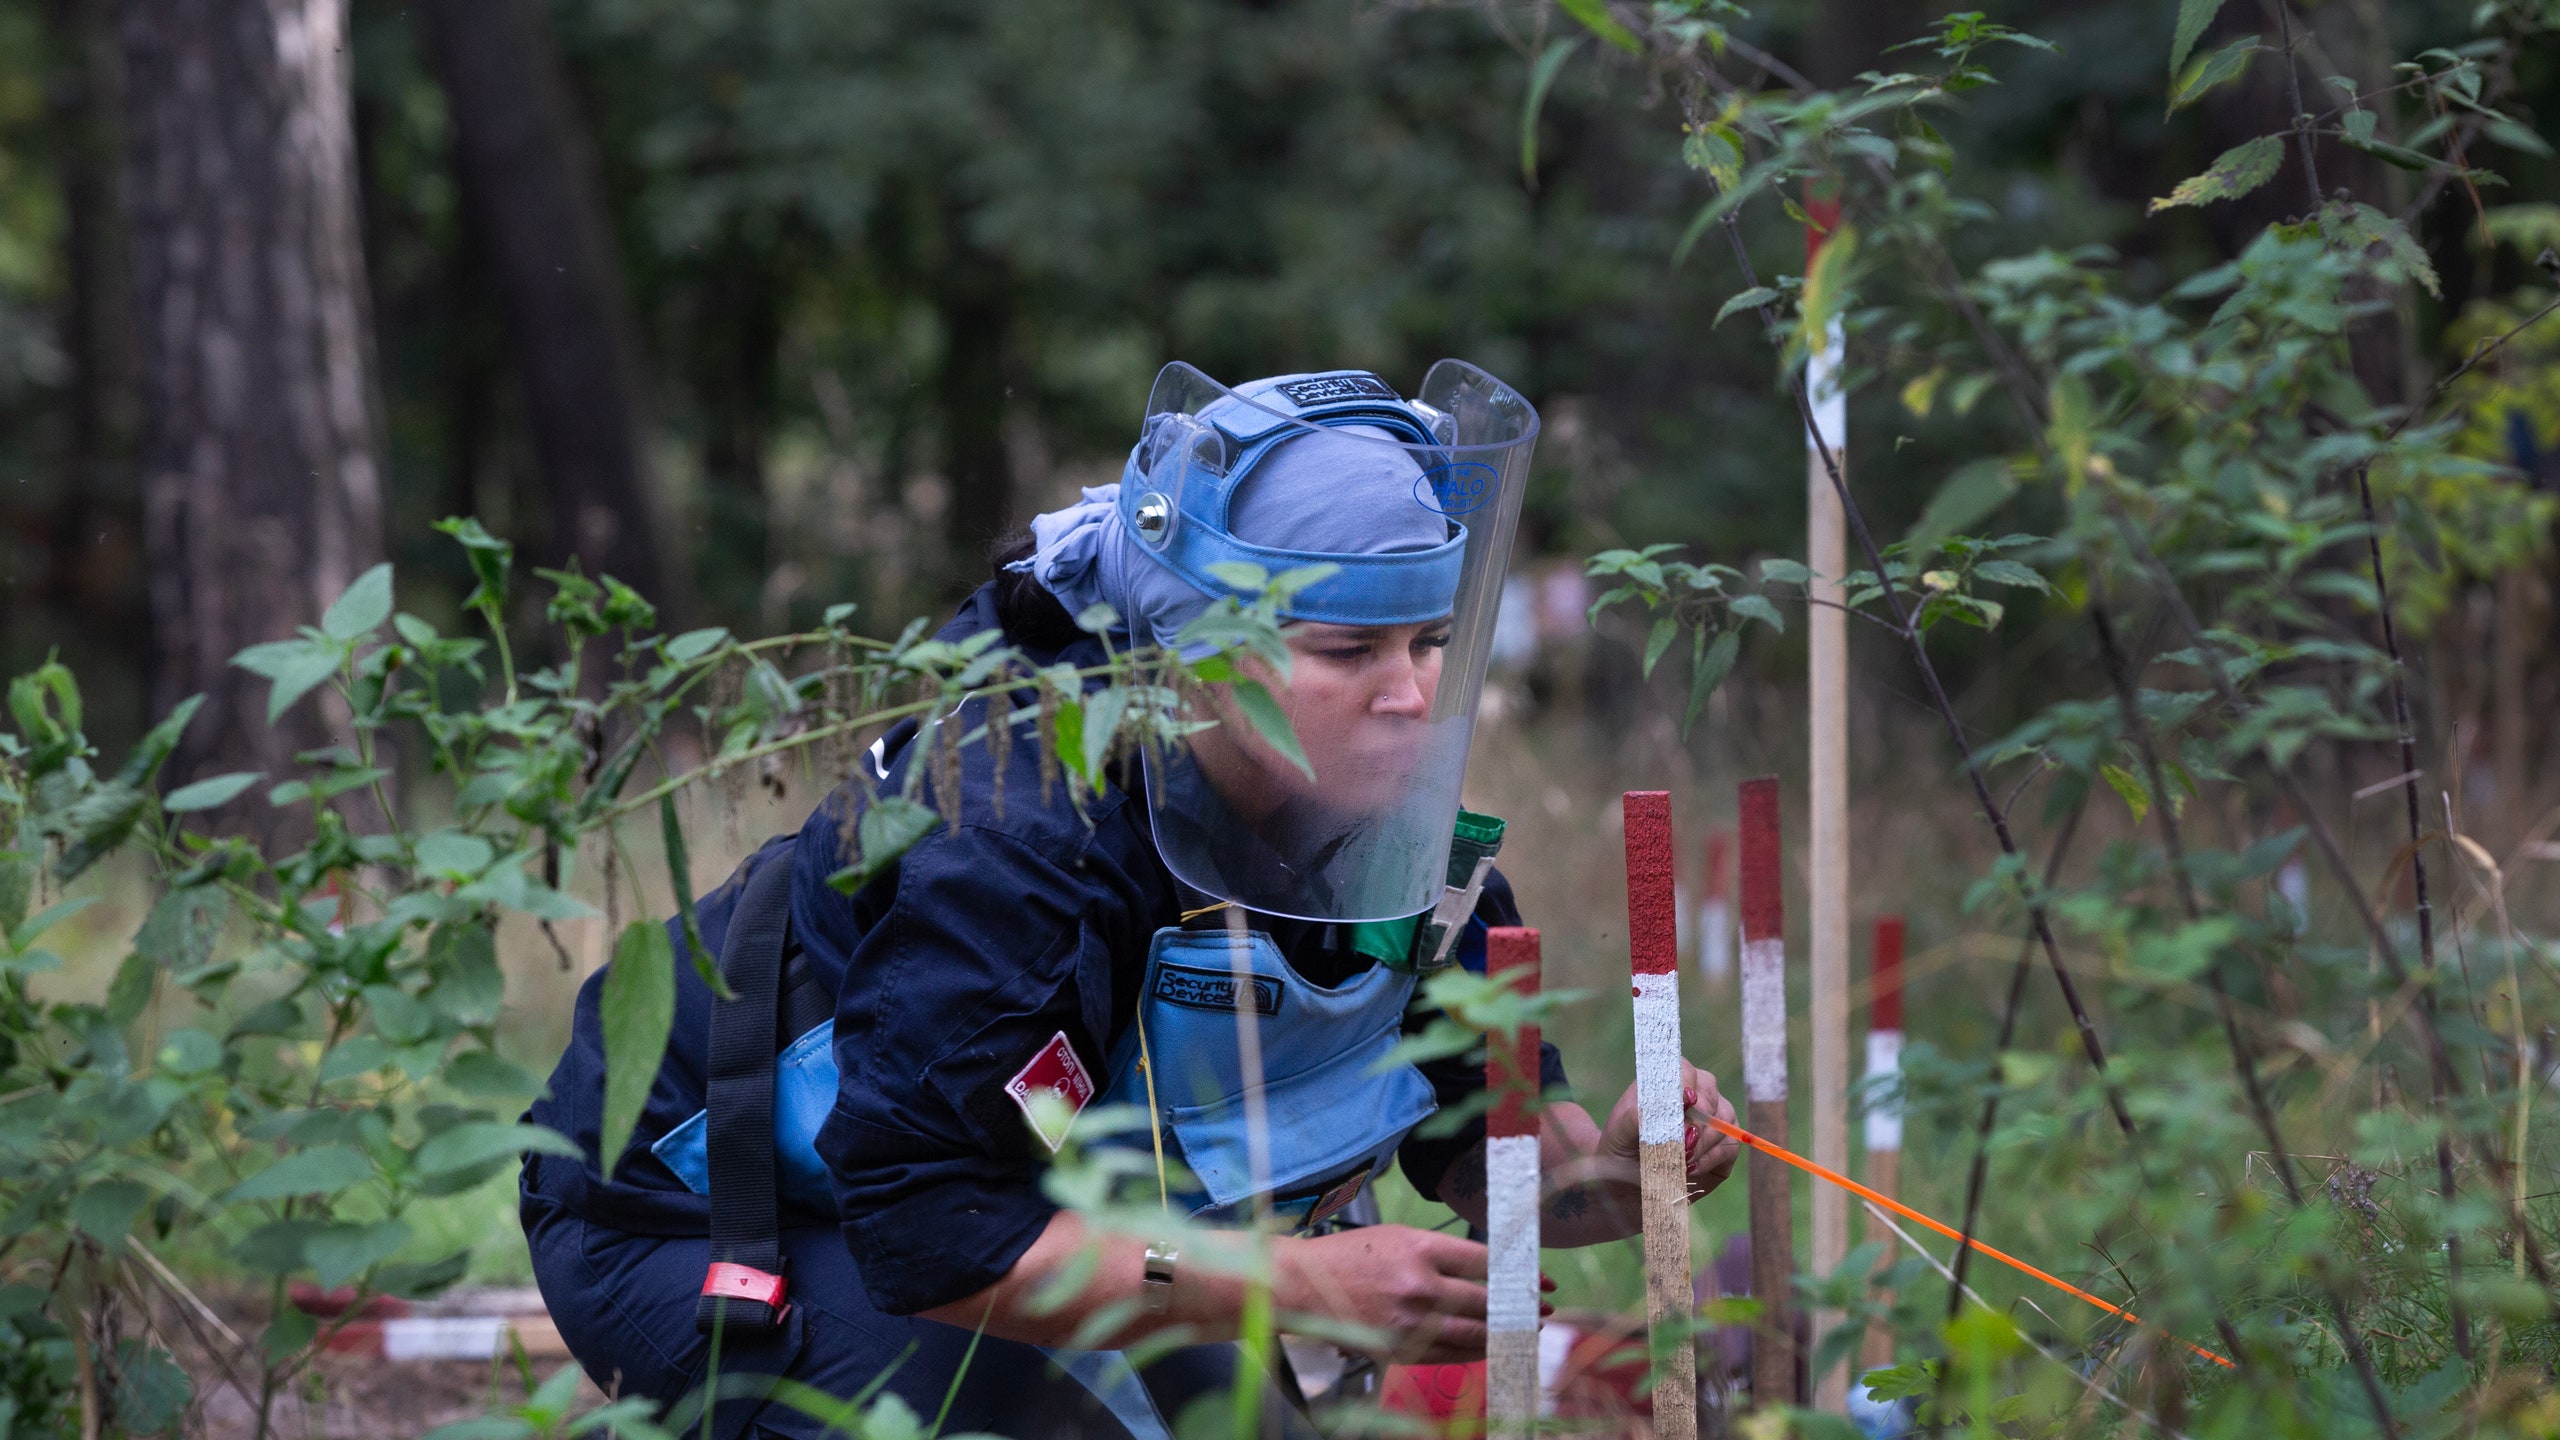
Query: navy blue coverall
{"points": [[1017, 921]]}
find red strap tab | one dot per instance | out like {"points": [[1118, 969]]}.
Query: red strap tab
{"points": [[742, 1282]]}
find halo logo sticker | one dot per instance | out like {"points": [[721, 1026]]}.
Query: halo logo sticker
{"points": [[1457, 487]]}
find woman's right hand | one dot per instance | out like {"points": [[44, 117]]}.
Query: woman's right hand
{"points": [[1423, 1289]]}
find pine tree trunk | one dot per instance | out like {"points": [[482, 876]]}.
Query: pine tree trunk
{"points": [[532, 206], [262, 482]]}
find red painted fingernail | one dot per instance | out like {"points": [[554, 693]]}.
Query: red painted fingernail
{"points": [[1693, 1135], [1546, 1282]]}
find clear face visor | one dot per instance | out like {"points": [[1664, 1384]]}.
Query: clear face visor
{"points": [[1387, 659]]}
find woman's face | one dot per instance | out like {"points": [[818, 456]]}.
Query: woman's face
{"points": [[1360, 699]]}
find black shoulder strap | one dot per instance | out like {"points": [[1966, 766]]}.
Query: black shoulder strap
{"points": [[745, 1279]]}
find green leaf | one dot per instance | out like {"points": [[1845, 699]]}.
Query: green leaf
{"points": [[1241, 576], [477, 1142], [2223, 65], [294, 666], [130, 992], [322, 1170], [1665, 630], [692, 645], [2010, 572], [54, 914], [1968, 496], [2136, 798], [151, 1391], [363, 608], [1755, 296], [157, 745], [2239, 170], [462, 957], [484, 1074], [1757, 607], [490, 557], [1826, 288], [890, 827], [189, 1052], [1542, 78], [206, 794], [2194, 16], [1784, 572], [638, 1008], [1706, 672], [341, 1253], [106, 1210], [97, 823], [454, 854], [1262, 710], [680, 876], [1595, 16]]}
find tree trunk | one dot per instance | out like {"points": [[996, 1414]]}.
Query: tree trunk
{"points": [[262, 483], [95, 574], [532, 207]]}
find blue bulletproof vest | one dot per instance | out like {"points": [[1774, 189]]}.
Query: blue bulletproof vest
{"points": [[1331, 1117], [1332, 1112]]}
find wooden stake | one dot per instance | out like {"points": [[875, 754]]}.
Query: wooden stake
{"points": [[1511, 1201], [1884, 1105], [1653, 953], [1827, 715], [1764, 1082]]}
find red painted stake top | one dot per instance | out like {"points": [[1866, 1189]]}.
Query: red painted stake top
{"points": [[1764, 909], [1824, 216], [1653, 920], [1511, 1066], [1719, 861], [1884, 1012]]}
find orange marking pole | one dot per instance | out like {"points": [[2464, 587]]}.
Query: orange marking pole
{"points": [[1906, 1212]]}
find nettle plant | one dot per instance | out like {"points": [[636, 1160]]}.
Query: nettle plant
{"points": [[2301, 1139], [300, 1042]]}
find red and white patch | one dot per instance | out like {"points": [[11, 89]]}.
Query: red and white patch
{"points": [[1055, 1070]]}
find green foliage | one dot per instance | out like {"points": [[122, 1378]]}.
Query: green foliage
{"points": [[2199, 443], [301, 1043]]}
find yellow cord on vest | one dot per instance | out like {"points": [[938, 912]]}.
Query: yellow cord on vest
{"points": [[1155, 1116], [1190, 915]]}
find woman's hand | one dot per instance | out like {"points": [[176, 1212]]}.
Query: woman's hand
{"points": [[1420, 1287], [1711, 1154]]}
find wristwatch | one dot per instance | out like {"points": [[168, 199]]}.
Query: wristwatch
{"points": [[1157, 1292]]}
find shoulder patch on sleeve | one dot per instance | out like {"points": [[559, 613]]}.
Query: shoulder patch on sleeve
{"points": [[1053, 1070]]}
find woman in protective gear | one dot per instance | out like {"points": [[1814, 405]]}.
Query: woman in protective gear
{"points": [[1046, 952]]}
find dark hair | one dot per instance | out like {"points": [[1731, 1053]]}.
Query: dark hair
{"points": [[1031, 616]]}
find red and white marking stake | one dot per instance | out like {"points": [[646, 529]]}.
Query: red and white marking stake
{"points": [[1511, 1199], [1884, 1100], [1715, 911], [1764, 1083], [1653, 953]]}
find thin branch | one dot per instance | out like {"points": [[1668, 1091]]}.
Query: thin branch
{"points": [[2293, 89], [1980, 1174], [1905, 621]]}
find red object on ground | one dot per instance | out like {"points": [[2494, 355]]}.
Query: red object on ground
{"points": [[310, 1299], [1884, 1011], [1511, 1070], [1451, 1396], [1653, 924], [1763, 904]]}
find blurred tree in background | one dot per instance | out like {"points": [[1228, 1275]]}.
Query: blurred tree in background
{"points": [[794, 302]]}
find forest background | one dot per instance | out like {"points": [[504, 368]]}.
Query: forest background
{"points": [[770, 307]]}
